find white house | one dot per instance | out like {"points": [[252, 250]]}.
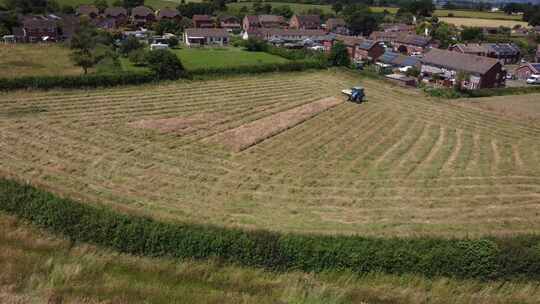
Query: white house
{"points": [[206, 36]]}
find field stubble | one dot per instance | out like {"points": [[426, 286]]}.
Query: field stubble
{"points": [[400, 164]]}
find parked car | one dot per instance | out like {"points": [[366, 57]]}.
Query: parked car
{"points": [[533, 79]]}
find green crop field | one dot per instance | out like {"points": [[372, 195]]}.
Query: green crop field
{"points": [[153, 3], [401, 164], [36, 60], [196, 58]]}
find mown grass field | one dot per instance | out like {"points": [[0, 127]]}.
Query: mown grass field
{"points": [[398, 165], [40, 268], [197, 58], [36, 60]]}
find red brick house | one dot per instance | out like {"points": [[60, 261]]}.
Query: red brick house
{"points": [[305, 22], [203, 21], [250, 22], [526, 70], [168, 14], [119, 14], [142, 15], [507, 53], [481, 72], [36, 29], [368, 50], [87, 10]]}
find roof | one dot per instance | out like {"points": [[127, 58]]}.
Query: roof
{"points": [[534, 67], [38, 22], [349, 40], [115, 11], [206, 32], [252, 19], [396, 27], [202, 18], [291, 32], [398, 59], [367, 44], [86, 9], [308, 20], [168, 13], [271, 18], [383, 36], [141, 11], [504, 48], [335, 22], [413, 39], [458, 61], [472, 47], [228, 18]]}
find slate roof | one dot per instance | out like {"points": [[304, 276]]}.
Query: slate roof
{"points": [[507, 49], [458, 61], [367, 44], [271, 19], [168, 13], [413, 39], [292, 32], [383, 36], [349, 40], [115, 11], [141, 11], [206, 32], [398, 59], [309, 20], [87, 10]]}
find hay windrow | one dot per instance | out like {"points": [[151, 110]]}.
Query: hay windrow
{"points": [[245, 136]]}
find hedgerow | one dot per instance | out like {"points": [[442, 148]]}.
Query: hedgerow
{"points": [[261, 68], [451, 93], [485, 258]]}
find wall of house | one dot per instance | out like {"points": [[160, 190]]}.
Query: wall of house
{"points": [[493, 78], [523, 72]]}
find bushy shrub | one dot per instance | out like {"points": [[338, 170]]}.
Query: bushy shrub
{"points": [[130, 44], [255, 45], [138, 57], [165, 64], [487, 258]]}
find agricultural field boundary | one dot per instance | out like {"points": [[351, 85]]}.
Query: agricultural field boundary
{"points": [[245, 136], [485, 258]]}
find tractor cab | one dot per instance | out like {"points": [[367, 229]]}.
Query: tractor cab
{"points": [[355, 94]]}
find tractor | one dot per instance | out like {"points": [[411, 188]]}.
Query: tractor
{"points": [[355, 94]]}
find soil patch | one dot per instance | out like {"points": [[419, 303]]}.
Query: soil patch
{"points": [[250, 134]]}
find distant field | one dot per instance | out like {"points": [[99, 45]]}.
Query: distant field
{"points": [[296, 7], [482, 22], [41, 268], [401, 164], [36, 59], [195, 58], [477, 14], [153, 3]]}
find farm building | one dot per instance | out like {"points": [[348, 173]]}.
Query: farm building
{"points": [[337, 25], [229, 22], [479, 72], [168, 13], [142, 15], [410, 43], [305, 22], [398, 60], [202, 21], [285, 35], [87, 10], [206, 36], [524, 71], [368, 50], [507, 53]]}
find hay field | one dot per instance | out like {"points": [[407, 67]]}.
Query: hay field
{"points": [[480, 22], [398, 165]]}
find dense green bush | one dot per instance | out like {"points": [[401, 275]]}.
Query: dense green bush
{"points": [[73, 82], [487, 258], [165, 64]]}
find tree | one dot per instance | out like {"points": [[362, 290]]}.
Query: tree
{"points": [[67, 9], [130, 44], [338, 55], [361, 20], [165, 64], [138, 57], [101, 5], [173, 42], [423, 8], [196, 8], [337, 7], [132, 3], [444, 33], [255, 45], [167, 26], [283, 10], [472, 34], [83, 44], [27, 6]]}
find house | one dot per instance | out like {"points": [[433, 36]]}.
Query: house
{"points": [[479, 71], [142, 15], [250, 22], [206, 36], [230, 23], [411, 43], [507, 53], [337, 25], [119, 14], [36, 29], [538, 53], [285, 35], [526, 70], [168, 14], [350, 43], [87, 10], [272, 21], [105, 23], [368, 50], [305, 22], [203, 21]]}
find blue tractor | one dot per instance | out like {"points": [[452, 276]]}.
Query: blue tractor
{"points": [[355, 94]]}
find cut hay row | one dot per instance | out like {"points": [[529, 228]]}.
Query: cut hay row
{"points": [[400, 164]]}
